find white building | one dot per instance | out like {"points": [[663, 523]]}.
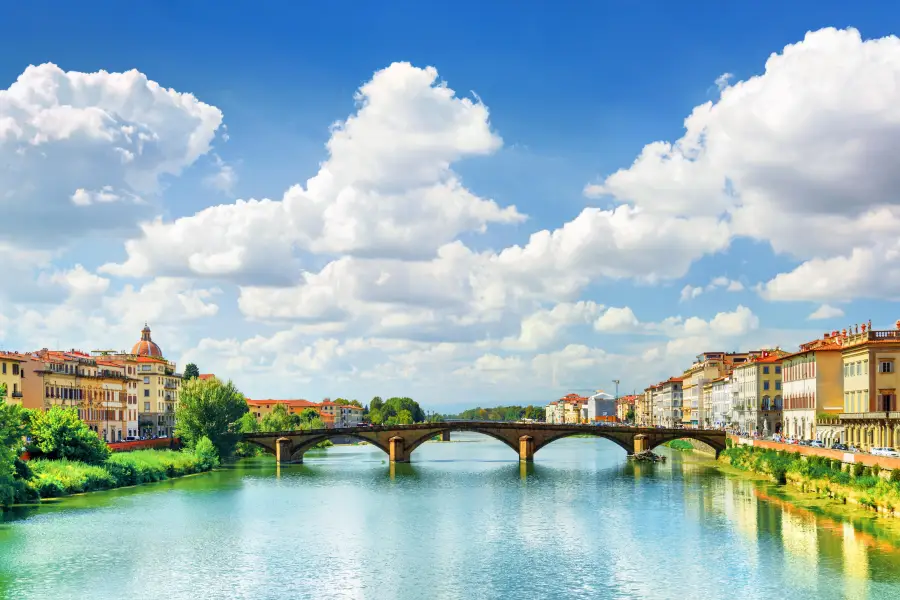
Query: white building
{"points": [[600, 405], [670, 398], [721, 402]]}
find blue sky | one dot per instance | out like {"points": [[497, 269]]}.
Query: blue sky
{"points": [[574, 92]]}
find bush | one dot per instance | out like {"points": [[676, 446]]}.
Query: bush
{"points": [[858, 469], [58, 477], [59, 434], [895, 476], [206, 453], [683, 445]]}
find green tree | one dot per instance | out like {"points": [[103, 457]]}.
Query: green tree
{"points": [[247, 424], [376, 404], [59, 433], [191, 372], [13, 471], [206, 452], [375, 417], [210, 408], [280, 420], [629, 416], [309, 415], [404, 417]]}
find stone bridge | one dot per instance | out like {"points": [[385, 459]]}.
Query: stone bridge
{"points": [[399, 441]]}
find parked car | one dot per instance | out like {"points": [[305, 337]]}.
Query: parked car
{"points": [[130, 438], [790, 441], [853, 448], [804, 443], [840, 446], [816, 444], [885, 451]]}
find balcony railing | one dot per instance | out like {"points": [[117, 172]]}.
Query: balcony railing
{"points": [[16, 394], [171, 385], [867, 416]]}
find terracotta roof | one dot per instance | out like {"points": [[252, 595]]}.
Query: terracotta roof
{"points": [[205, 376], [294, 403], [14, 356]]}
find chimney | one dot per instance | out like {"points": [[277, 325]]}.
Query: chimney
{"points": [[826, 336]]}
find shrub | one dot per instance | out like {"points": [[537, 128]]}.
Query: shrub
{"points": [[895, 476], [858, 469], [59, 434], [206, 453], [58, 477]]}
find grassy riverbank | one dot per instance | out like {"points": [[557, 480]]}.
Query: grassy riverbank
{"points": [[826, 478], [55, 478]]}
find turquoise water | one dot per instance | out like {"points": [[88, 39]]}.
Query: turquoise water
{"points": [[465, 520]]}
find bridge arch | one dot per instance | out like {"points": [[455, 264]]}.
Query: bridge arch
{"points": [[308, 444], [626, 445], [507, 441], [713, 443]]}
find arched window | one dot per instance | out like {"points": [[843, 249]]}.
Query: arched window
{"points": [[765, 403], [777, 403]]}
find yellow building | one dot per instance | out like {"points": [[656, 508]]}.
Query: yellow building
{"points": [[11, 374], [813, 385], [74, 379], [154, 386], [757, 394], [869, 358]]}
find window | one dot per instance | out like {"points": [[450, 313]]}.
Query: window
{"points": [[146, 380], [766, 370], [886, 366], [4, 368], [777, 385], [866, 367], [766, 384], [846, 371], [778, 369], [15, 369], [146, 407], [146, 394]]}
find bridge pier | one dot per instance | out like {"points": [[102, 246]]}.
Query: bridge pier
{"points": [[641, 443], [526, 448], [445, 436], [397, 448], [284, 448]]}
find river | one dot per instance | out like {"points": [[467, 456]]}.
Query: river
{"points": [[465, 520]]}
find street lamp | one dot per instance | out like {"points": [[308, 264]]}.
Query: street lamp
{"points": [[616, 381]]}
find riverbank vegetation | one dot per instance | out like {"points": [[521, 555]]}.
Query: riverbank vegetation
{"points": [[850, 484], [501, 413], [682, 445], [66, 456]]}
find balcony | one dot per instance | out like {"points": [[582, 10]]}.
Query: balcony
{"points": [[16, 394], [171, 385], [871, 336], [869, 416]]}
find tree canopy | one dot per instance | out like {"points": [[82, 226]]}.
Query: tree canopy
{"points": [[13, 471], [212, 409], [502, 413], [191, 372], [395, 411], [60, 433]]}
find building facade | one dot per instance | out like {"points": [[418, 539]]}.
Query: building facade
{"points": [[871, 414], [813, 383], [11, 373], [720, 402], [757, 394]]}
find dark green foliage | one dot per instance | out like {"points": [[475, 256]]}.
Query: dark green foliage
{"points": [[210, 408], [858, 470], [683, 445], [13, 471], [503, 413], [388, 412], [895, 476], [58, 434], [190, 372]]}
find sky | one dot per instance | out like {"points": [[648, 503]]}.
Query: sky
{"points": [[471, 204]]}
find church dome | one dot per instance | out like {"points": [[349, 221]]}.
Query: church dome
{"points": [[146, 347]]}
